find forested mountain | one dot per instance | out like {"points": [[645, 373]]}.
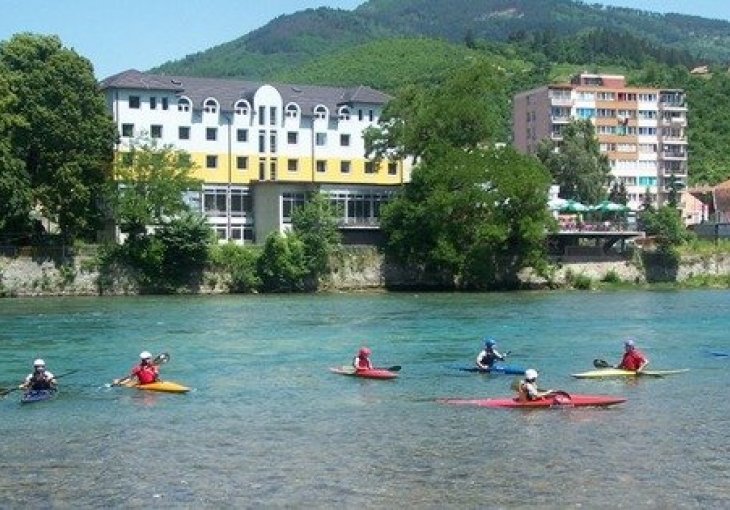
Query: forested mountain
{"points": [[389, 44], [293, 40]]}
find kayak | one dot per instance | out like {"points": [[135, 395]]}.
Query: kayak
{"points": [[559, 400], [496, 369], [617, 372], [373, 373], [37, 396], [163, 386]]}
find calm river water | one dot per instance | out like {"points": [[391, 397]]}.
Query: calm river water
{"points": [[269, 426]]}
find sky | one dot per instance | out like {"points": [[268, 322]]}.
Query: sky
{"points": [[141, 34]]}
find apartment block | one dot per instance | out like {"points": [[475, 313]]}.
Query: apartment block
{"points": [[643, 131], [260, 148]]}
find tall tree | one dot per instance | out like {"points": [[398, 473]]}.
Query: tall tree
{"points": [[149, 184], [618, 193], [67, 138], [576, 163], [315, 224], [15, 190], [476, 216]]}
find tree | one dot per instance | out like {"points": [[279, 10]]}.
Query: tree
{"points": [[618, 194], [185, 240], [149, 184], [465, 110], [315, 224], [66, 140], [666, 224], [576, 164], [282, 265], [15, 190], [478, 216]]}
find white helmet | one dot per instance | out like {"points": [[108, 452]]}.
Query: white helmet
{"points": [[530, 374], [145, 355], [39, 363]]}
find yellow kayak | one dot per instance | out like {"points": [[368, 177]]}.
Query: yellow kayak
{"points": [[164, 386], [617, 372]]}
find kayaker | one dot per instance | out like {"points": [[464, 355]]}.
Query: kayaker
{"points": [[488, 355], [633, 358], [361, 361], [40, 378], [146, 371], [528, 390]]}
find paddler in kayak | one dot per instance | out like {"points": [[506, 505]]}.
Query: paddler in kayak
{"points": [[40, 378], [633, 358], [146, 371], [527, 389], [489, 355], [361, 361]]}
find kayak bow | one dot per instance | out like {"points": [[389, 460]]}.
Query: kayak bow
{"points": [[373, 373]]}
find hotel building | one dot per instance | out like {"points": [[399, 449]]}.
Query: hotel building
{"points": [[260, 148], [643, 131]]}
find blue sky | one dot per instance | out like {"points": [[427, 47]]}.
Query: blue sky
{"points": [[142, 34]]}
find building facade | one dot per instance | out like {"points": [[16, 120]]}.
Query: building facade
{"points": [[643, 131], [260, 148]]}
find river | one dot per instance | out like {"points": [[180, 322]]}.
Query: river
{"points": [[268, 426]]}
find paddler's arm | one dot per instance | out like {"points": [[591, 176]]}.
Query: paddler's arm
{"points": [[643, 365]]}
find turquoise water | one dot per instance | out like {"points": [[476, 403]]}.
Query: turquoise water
{"points": [[269, 426]]}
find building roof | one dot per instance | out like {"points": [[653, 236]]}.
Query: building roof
{"points": [[228, 91]]}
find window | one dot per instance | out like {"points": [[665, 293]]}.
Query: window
{"points": [[241, 108], [370, 115], [321, 139], [292, 111], [153, 103], [262, 169], [183, 105], [241, 203], [359, 115], [156, 131], [369, 167], [242, 135], [127, 129], [134, 102], [273, 113], [292, 165], [345, 140], [321, 166], [345, 167], [320, 112], [211, 134], [272, 142], [183, 132], [290, 202], [211, 161], [272, 170], [262, 141], [214, 202], [292, 138], [262, 115], [344, 113], [392, 168], [165, 103], [210, 106], [242, 162]]}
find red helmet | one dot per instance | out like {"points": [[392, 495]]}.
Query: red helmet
{"points": [[364, 351]]}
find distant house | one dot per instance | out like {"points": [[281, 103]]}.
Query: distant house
{"points": [[700, 70]]}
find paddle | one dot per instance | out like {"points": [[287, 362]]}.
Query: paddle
{"points": [[158, 360], [394, 368], [5, 391]]}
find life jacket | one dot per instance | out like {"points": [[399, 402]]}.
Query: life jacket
{"points": [[39, 381], [524, 394], [362, 363], [145, 374], [488, 358]]}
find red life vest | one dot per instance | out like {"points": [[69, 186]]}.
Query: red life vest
{"points": [[145, 374]]}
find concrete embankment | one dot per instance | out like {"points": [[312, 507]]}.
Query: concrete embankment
{"points": [[354, 269]]}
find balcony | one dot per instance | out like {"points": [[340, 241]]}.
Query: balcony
{"points": [[673, 154]]}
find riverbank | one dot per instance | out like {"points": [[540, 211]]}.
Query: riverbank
{"points": [[364, 268]]}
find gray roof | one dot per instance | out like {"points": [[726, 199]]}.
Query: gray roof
{"points": [[229, 91]]}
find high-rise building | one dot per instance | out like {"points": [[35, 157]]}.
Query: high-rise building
{"points": [[260, 148], [643, 131]]}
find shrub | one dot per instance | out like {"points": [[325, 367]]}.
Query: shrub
{"points": [[582, 282], [282, 265], [241, 264], [611, 276]]}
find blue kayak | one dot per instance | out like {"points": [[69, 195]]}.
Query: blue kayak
{"points": [[37, 396], [496, 369]]}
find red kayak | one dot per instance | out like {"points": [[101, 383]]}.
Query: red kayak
{"points": [[373, 373], [558, 400]]}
